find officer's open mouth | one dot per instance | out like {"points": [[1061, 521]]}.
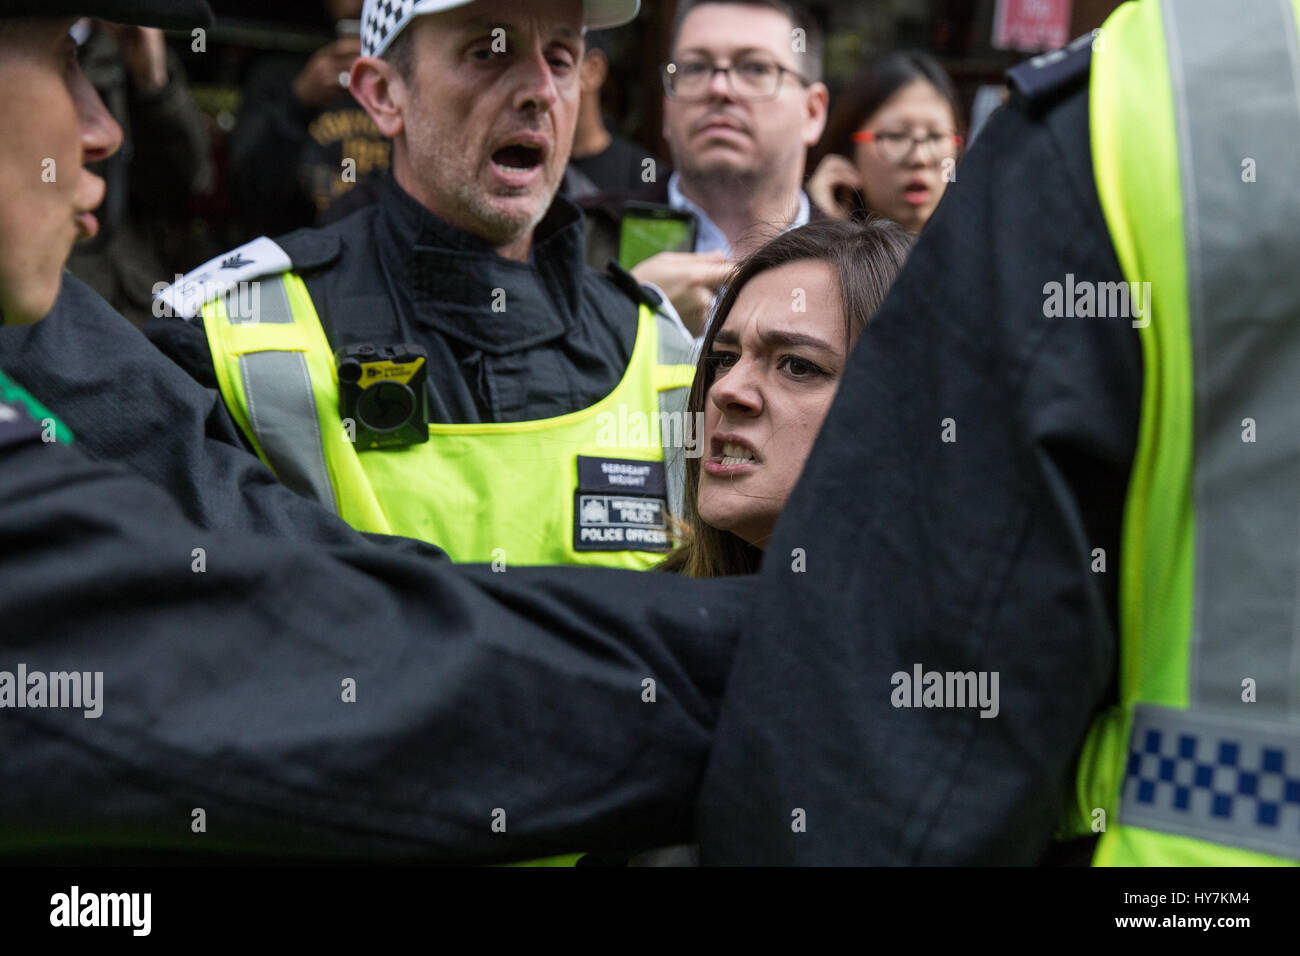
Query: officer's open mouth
{"points": [[518, 158]]}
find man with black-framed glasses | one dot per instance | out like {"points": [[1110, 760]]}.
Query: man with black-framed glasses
{"points": [[743, 101]]}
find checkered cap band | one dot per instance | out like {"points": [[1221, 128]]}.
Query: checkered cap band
{"points": [[381, 21]]}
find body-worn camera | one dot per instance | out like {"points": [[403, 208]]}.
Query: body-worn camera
{"points": [[382, 395]]}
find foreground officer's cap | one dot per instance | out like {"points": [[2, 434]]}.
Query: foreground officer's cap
{"points": [[383, 20], [167, 14]]}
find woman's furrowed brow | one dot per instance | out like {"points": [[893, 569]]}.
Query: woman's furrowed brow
{"points": [[776, 338], [782, 337]]}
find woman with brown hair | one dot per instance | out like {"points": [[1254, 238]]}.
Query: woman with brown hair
{"points": [[770, 364]]}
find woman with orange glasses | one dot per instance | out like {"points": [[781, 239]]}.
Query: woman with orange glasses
{"points": [[891, 144]]}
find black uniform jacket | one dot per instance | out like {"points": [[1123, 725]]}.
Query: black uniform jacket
{"points": [[226, 614], [507, 341], [967, 555]]}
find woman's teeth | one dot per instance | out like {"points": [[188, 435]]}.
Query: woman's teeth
{"points": [[736, 454]]}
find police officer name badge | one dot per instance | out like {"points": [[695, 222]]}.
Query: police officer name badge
{"points": [[620, 505]]}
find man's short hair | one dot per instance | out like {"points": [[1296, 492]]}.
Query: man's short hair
{"points": [[810, 61], [401, 54]]}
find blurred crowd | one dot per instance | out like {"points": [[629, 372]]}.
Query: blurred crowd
{"points": [[303, 152]]}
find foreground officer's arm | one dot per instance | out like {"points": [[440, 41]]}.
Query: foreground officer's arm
{"points": [[976, 455], [515, 698]]}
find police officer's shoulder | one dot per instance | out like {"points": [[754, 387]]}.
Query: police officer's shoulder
{"points": [[1044, 79], [630, 287], [311, 249], [303, 251], [640, 294]]}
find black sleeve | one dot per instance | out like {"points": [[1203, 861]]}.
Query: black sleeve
{"points": [[971, 555], [517, 697], [186, 344], [266, 150], [126, 402]]}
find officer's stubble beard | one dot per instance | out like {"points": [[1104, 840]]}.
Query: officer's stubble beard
{"points": [[460, 197]]}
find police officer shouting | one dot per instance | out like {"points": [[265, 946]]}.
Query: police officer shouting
{"points": [[443, 365]]}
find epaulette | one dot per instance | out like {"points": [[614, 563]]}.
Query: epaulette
{"points": [[299, 251], [1045, 77], [634, 290], [311, 249]]}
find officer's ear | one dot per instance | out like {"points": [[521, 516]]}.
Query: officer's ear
{"points": [[379, 88]]}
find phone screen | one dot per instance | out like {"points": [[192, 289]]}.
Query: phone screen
{"points": [[644, 234]]}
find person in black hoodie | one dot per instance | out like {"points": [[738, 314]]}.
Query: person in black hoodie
{"points": [[297, 130]]}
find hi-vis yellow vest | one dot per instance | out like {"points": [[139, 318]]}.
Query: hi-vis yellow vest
{"points": [[1195, 128], [583, 488]]}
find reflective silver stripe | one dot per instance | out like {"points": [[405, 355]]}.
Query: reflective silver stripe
{"points": [[674, 349], [280, 397], [1227, 779], [1235, 71], [282, 412], [259, 302]]}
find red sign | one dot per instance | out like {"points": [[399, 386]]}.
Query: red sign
{"points": [[1031, 24]]}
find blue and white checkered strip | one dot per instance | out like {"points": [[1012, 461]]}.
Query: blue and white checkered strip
{"points": [[381, 20], [1224, 779]]}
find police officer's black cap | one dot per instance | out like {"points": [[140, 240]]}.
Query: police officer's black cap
{"points": [[168, 14]]}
